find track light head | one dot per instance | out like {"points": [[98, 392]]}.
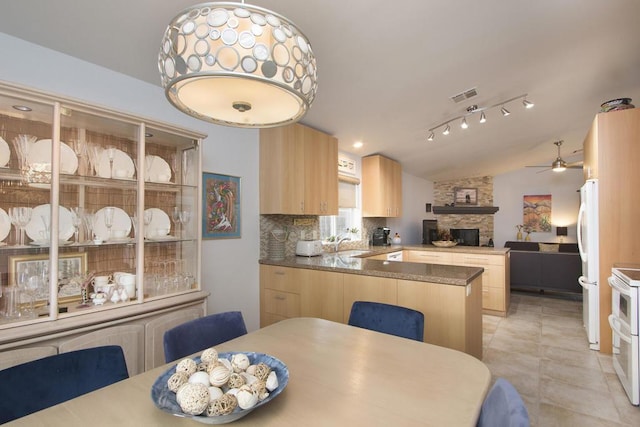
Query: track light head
{"points": [[464, 124], [483, 118], [446, 130], [431, 137], [527, 104], [504, 111]]}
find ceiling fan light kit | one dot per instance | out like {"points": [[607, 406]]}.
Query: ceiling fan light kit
{"points": [[559, 165], [237, 65], [474, 109]]}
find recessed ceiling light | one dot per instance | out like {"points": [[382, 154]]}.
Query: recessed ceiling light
{"points": [[21, 108], [358, 144]]}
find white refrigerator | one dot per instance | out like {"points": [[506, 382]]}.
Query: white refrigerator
{"points": [[587, 231]]}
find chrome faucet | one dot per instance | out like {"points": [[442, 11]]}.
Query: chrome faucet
{"points": [[341, 238]]}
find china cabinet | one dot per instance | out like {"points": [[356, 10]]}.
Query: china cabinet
{"points": [[99, 216], [381, 187], [298, 171]]}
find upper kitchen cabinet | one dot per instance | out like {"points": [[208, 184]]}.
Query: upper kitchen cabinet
{"points": [[381, 187], [298, 171]]}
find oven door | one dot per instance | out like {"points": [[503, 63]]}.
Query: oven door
{"points": [[624, 302]]}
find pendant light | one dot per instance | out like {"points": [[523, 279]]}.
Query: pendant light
{"points": [[237, 65]]}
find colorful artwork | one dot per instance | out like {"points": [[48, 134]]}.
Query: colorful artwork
{"points": [[221, 204], [537, 213]]}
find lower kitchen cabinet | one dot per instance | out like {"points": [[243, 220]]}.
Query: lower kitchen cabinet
{"points": [[452, 314], [296, 292], [495, 278]]}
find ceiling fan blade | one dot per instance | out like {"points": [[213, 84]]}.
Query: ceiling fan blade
{"points": [[544, 170], [530, 166]]}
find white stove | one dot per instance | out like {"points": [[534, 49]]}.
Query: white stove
{"points": [[625, 323]]}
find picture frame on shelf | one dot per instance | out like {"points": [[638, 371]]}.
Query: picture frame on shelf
{"points": [[221, 204], [70, 265], [465, 196]]}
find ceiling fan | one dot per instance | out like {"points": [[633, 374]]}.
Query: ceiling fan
{"points": [[559, 164]]}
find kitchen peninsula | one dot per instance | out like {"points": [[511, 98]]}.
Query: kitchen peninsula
{"points": [[450, 296]]}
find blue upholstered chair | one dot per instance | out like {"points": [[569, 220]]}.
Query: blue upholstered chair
{"points": [[199, 334], [389, 319], [45, 382], [503, 407]]}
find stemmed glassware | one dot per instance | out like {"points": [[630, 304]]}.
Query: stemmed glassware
{"points": [[77, 214], [185, 217], [186, 166], [148, 216], [111, 153], [108, 220], [22, 144], [175, 217], [95, 151], [80, 148], [20, 217], [87, 219]]}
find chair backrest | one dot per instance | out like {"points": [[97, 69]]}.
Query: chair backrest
{"points": [[41, 383], [389, 319], [199, 334], [503, 407]]}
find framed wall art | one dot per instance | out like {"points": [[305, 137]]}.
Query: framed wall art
{"points": [[35, 270], [221, 206], [536, 212], [465, 196]]}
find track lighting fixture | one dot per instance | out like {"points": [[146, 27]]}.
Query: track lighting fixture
{"points": [[473, 109]]}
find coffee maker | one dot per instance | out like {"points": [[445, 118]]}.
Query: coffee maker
{"points": [[380, 236]]}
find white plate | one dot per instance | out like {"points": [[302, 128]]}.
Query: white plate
{"points": [[40, 152], [5, 153], [46, 242], [5, 224], [36, 225], [159, 220], [121, 161], [121, 221], [159, 168], [162, 238]]}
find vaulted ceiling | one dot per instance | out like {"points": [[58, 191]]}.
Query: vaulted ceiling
{"points": [[387, 70]]}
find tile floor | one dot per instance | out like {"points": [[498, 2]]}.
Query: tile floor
{"points": [[541, 348]]}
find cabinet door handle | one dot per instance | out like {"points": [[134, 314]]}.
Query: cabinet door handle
{"points": [[279, 273], [280, 297]]}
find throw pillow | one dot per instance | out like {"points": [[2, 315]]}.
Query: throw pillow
{"points": [[548, 247]]}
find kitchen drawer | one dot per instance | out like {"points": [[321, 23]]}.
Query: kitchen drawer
{"points": [[280, 278], [477, 260], [428, 257], [281, 303]]}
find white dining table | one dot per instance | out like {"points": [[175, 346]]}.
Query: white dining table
{"points": [[339, 375]]}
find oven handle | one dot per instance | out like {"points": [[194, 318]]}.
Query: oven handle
{"points": [[613, 319], [622, 289]]}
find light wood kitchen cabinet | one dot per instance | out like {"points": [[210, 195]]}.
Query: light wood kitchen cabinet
{"points": [[381, 187], [296, 292], [495, 278], [427, 257], [612, 155], [368, 288], [298, 171], [453, 316]]}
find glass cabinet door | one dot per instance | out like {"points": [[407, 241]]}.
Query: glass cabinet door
{"points": [[26, 132], [171, 213]]}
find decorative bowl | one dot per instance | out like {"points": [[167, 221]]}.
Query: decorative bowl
{"points": [[444, 243], [165, 399]]}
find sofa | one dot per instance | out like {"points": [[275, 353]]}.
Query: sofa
{"points": [[543, 267]]}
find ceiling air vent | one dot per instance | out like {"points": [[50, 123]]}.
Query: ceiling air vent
{"points": [[469, 93]]}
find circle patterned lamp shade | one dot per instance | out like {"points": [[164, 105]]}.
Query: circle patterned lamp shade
{"points": [[237, 65]]}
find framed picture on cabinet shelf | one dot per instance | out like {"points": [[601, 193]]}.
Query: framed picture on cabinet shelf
{"points": [[221, 206], [465, 196], [25, 270]]}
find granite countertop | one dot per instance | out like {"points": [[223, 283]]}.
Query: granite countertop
{"points": [[355, 262]]}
